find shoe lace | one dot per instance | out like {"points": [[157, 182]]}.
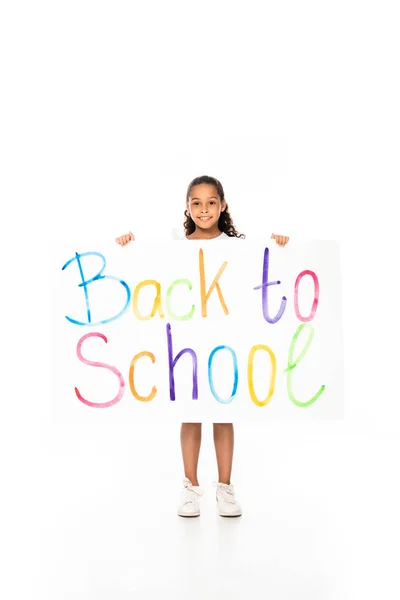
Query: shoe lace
{"points": [[226, 492], [190, 494]]}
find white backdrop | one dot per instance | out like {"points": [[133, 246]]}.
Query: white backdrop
{"points": [[108, 111]]}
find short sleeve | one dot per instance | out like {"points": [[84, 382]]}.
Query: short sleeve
{"points": [[177, 234]]}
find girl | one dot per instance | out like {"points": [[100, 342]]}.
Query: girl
{"points": [[207, 218]]}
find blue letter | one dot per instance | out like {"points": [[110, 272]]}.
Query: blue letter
{"points": [[97, 277], [236, 374]]}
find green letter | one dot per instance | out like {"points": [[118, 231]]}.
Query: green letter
{"points": [[292, 363], [169, 293]]}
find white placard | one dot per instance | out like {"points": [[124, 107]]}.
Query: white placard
{"points": [[197, 332]]}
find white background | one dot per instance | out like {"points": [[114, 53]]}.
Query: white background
{"points": [[294, 107]]}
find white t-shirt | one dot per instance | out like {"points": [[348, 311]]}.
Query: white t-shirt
{"points": [[177, 234]]}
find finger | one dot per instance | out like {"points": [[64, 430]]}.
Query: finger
{"points": [[284, 240], [127, 237]]}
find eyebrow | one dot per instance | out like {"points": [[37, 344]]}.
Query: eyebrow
{"points": [[209, 198]]}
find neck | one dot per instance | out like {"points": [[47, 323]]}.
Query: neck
{"points": [[205, 234]]}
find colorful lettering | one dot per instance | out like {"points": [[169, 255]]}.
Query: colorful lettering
{"points": [[206, 295], [86, 282], [190, 314], [132, 377], [292, 363], [172, 363], [104, 366], [250, 369], [296, 296], [157, 304], [235, 371], [264, 286]]}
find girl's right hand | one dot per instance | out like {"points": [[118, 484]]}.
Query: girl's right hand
{"points": [[123, 240]]}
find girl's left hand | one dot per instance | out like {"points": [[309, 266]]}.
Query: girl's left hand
{"points": [[281, 240]]}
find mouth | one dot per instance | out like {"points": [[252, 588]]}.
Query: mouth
{"points": [[204, 218]]}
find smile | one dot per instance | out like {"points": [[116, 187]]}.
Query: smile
{"points": [[204, 218]]}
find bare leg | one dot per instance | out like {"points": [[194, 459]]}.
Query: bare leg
{"points": [[190, 443], [224, 441]]}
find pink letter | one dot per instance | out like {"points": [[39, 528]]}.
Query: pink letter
{"points": [[99, 364], [296, 296]]}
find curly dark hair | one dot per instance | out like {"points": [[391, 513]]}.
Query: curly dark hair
{"points": [[225, 223]]}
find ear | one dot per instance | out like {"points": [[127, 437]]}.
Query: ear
{"points": [[223, 205]]}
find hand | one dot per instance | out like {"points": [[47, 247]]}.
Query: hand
{"points": [[281, 240], [123, 240]]}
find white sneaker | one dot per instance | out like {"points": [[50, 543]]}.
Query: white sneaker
{"points": [[191, 494], [227, 505]]}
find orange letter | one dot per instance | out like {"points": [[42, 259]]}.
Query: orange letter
{"points": [[204, 296], [132, 375], [250, 375]]}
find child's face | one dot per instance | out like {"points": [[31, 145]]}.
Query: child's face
{"points": [[205, 205]]}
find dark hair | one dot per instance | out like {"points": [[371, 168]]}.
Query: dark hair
{"points": [[225, 223]]}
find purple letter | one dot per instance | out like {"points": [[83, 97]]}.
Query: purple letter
{"points": [[172, 363], [264, 286]]}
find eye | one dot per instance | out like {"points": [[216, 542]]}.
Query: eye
{"points": [[212, 202]]}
